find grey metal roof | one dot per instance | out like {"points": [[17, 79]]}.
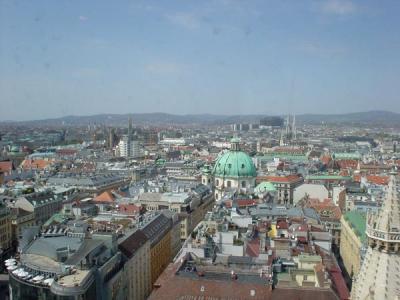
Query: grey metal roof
{"points": [[49, 246], [87, 246], [150, 197], [311, 213], [156, 228]]}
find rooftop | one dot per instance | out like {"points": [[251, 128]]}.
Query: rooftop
{"points": [[357, 221]]}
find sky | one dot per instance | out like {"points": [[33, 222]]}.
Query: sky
{"points": [[61, 58]]}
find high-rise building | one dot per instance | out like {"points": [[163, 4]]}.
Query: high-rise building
{"points": [[111, 138], [129, 148], [289, 133], [128, 145], [379, 274]]}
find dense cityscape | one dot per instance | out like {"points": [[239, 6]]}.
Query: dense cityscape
{"points": [[264, 210]]}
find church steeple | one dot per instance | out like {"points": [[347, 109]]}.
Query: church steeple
{"points": [[383, 230], [378, 278]]}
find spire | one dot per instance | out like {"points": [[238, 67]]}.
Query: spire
{"points": [[294, 127], [130, 128], [377, 278], [388, 219]]}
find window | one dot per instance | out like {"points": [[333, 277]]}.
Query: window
{"points": [[243, 184], [228, 183]]}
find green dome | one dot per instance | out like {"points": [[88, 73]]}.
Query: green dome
{"points": [[265, 186], [234, 164], [14, 149]]}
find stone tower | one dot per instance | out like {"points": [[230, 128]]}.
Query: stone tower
{"points": [[379, 275], [206, 177]]}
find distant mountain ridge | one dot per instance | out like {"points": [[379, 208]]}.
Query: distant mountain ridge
{"points": [[385, 118]]}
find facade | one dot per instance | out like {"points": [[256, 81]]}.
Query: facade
{"points": [[157, 228], [285, 186], [137, 272], [315, 191], [43, 205], [147, 251], [378, 277], [129, 148], [191, 208], [352, 239], [5, 230], [234, 171], [20, 220], [190, 219]]}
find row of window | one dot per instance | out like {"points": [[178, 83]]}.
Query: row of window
{"points": [[229, 183]]}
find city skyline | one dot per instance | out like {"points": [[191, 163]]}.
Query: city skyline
{"points": [[185, 57]]}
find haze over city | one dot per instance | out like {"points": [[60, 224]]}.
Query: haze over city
{"points": [[61, 58]]}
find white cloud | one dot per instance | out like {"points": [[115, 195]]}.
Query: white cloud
{"points": [[83, 18], [338, 7], [186, 20]]}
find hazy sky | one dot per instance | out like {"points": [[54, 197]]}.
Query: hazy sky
{"points": [[224, 56]]}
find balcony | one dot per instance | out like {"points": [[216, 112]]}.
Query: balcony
{"points": [[392, 237]]}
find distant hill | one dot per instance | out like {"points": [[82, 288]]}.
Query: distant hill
{"points": [[382, 118], [370, 117]]}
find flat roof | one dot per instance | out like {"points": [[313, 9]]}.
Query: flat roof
{"points": [[73, 279]]}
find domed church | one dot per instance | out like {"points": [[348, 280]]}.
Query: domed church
{"points": [[234, 170]]}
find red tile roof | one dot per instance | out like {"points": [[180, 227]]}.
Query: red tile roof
{"points": [[129, 209], [285, 179], [326, 209], [6, 166], [105, 197], [339, 283], [241, 202], [253, 248], [39, 164], [65, 152], [172, 286], [282, 225], [375, 179], [326, 159], [347, 163]]}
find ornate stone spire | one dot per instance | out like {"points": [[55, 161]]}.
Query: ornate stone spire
{"points": [[379, 274]]}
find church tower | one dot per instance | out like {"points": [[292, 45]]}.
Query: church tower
{"points": [[206, 177], [379, 275]]}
